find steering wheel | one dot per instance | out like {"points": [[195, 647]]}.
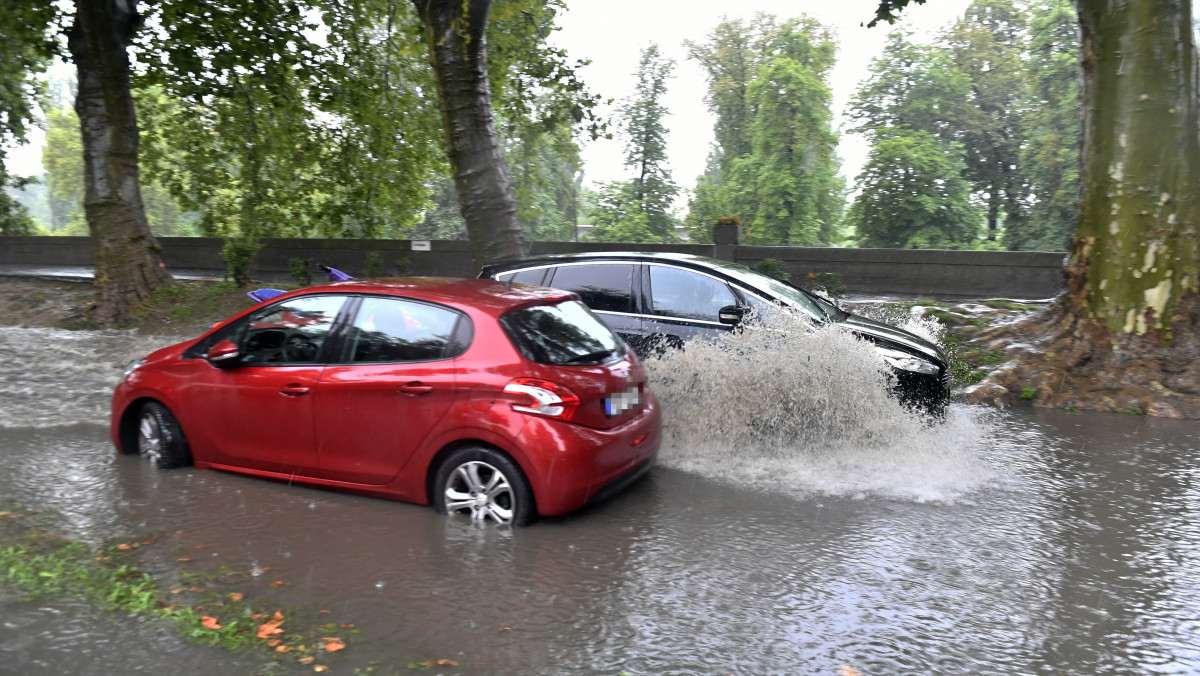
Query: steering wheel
{"points": [[297, 348]]}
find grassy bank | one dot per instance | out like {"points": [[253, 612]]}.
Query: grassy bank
{"points": [[185, 309], [37, 561]]}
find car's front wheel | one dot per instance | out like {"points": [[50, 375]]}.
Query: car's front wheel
{"points": [[484, 484], [160, 440]]}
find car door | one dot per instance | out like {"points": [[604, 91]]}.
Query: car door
{"points": [[259, 412], [684, 304], [389, 388], [610, 289]]}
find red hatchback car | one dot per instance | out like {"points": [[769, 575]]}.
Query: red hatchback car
{"points": [[503, 402]]}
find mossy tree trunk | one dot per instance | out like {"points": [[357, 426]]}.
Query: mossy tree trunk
{"points": [[1126, 334], [455, 33], [1134, 259], [127, 257]]}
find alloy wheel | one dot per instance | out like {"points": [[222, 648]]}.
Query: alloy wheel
{"points": [[150, 438], [481, 490]]}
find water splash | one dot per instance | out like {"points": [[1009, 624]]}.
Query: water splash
{"points": [[53, 377], [783, 406]]}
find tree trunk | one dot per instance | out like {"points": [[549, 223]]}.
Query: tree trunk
{"points": [[454, 30], [128, 264], [1134, 254], [1126, 334]]}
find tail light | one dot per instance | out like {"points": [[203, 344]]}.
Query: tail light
{"points": [[543, 397]]}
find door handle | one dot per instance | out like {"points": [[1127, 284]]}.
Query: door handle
{"points": [[415, 388], [293, 390]]}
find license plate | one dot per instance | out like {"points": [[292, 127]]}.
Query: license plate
{"points": [[619, 402]]}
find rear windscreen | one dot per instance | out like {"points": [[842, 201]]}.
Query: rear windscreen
{"points": [[567, 333]]}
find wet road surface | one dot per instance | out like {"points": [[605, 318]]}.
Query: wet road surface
{"points": [[1031, 541]]}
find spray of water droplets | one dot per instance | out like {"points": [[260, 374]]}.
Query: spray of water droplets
{"points": [[52, 377], [782, 406]]}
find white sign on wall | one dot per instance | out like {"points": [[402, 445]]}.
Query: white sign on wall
{"points": [[420, 245]]}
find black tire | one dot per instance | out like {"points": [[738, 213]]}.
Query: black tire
{"points": [[159, 437], [484, 484]]}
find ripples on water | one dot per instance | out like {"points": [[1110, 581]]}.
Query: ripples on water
{"points": [[53, 377], [1032, 542], [783, 407]]}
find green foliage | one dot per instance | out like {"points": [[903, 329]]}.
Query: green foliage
{"points": [[775, 164], [638, 210], [341, 138], [1050, 159], [62, 156], [374, 266], [773, 267], [707, 205], [238, 254], [1001, 90], [987, 45], [913, 194], [1028, 393], [300, 271], [29, 42]]}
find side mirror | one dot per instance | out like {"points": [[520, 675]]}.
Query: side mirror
{"points": [[222, 355], [731, 314]]}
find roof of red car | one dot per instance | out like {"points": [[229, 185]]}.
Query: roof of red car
{"points": [[488, 295]]}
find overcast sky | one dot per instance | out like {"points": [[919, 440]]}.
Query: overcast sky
{"points": [[612, 34]]}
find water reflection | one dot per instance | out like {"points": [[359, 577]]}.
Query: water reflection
{"points": [[1053, 543]]}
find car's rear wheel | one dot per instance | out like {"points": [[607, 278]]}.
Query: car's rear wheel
{"points": [[160, 440], [484, 484]]}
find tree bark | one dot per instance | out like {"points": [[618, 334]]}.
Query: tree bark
{"points": [[455, 32], [1134, 254], [127, 257], [1126, 334]]}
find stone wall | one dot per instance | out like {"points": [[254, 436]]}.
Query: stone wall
{"points": [[1006, 274]]}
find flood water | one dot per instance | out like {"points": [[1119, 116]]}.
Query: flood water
{"points": [[1024, 541]]}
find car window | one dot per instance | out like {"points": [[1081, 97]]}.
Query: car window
{"points": [[291, 332], [675, 292], [523, 276], [604, 287], [566, 333], [398, 330]]}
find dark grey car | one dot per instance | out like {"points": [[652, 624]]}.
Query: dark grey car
{"points": [[654, 299]]}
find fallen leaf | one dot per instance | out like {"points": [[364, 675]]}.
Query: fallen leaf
{"points": [[283, 649], [348, 625], [278, 583], [334, 646], [447, 663], [176, 591], [256, 616], [273, 642], [184, 559], [307, 660], [321, 667], [268, 629], [237, 596], [210, 622], [847, 670], [123, 546]]}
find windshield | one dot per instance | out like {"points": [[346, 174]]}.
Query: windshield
{"points": [[774, 288]]}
